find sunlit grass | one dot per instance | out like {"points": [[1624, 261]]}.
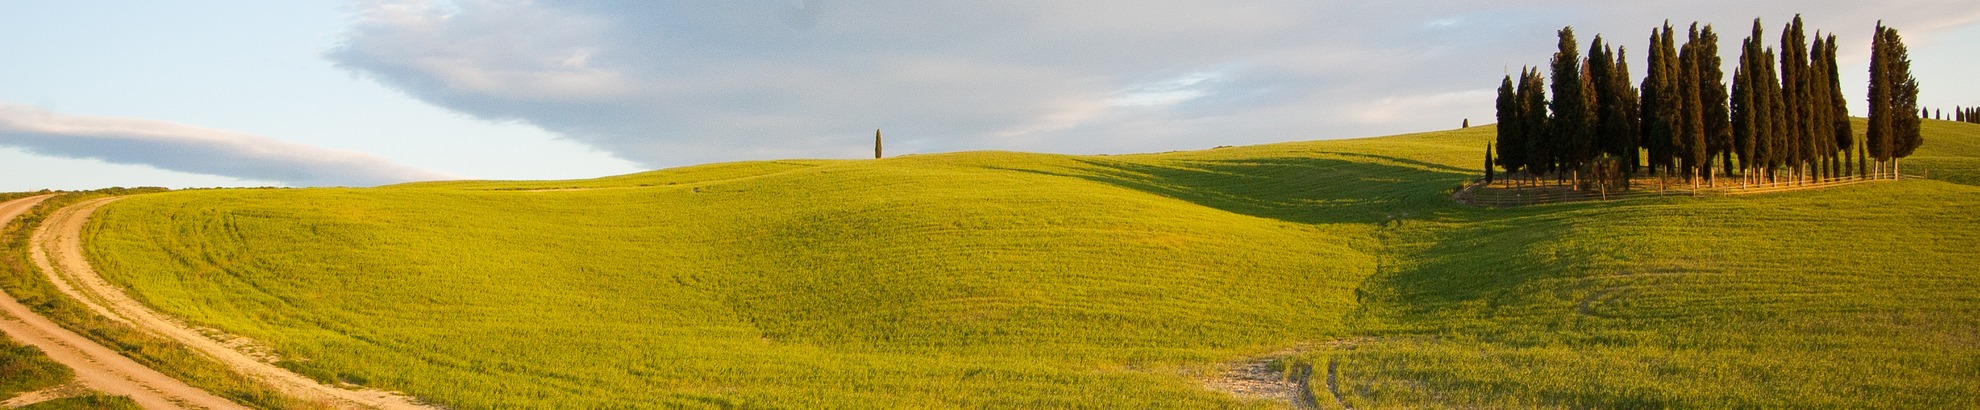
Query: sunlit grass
{"points": [[994, 279]]}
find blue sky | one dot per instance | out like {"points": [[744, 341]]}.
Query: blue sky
{"points": [[311, 93]]}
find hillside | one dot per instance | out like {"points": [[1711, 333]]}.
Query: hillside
{"points": [[993, 279]]}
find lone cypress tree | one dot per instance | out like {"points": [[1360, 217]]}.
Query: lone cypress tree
{"points": [[876, 143], [1488, 163]]}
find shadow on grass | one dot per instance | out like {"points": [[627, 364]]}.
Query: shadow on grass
{"points": [[1303, 190]]}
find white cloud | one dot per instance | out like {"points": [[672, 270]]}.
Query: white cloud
{"points": [[671, 83], [188, 148]]}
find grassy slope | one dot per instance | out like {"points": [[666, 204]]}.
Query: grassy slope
{"points": [[1025, 280]]}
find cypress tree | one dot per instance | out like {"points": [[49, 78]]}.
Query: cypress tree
{"points": [[1511, 142], [1840, 128], [1717, 123], [876, 143], [1626, 138], [1877, 139], [1488, 163], [1741, 110], [1570, 124], [1907, 136], [1672, 113], [1652, 131], [1794, 97], [1773, 117], [1533, 104], [1748, 105], [1600, 80], [1691, 149], [1819, 124]]}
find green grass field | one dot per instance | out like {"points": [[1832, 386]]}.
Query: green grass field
{"points": [[993, 279]]}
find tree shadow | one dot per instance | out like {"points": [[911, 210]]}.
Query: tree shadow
{"points": [[1293, 189]]}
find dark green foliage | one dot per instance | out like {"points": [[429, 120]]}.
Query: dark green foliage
{"points": [[1904, 101], [1690, 142], [1741, 106], [1877, 139], [1794, 96], [1839, 128], [1816, 85], [1615, 106], [1511, 138], [1894, 113], [1773, 146], [1488, 162], [1570, 127], [1717, 125], [1627, 139], [1533, 106], [1661, 101]]}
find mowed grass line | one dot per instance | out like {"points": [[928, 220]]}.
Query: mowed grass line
{"points": [[999, 280]]}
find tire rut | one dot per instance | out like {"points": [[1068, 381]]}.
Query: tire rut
{"points": [[60, 237], [96, 367]]}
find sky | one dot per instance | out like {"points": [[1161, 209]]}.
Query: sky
{"points": [[372, 92]]}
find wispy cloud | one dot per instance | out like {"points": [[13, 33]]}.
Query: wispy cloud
{"points": [[188, 148], [669, 83]]}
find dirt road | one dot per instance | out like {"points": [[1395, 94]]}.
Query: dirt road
{"points": [[59, 239], [97, 368]]}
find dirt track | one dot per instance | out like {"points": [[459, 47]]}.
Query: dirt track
{"points": [[61, 237], [96, 367]]}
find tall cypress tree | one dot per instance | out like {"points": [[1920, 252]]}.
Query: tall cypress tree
{"points": [[1741, 107], [1627, 133], [1570, 124], [1691, 149], [1711, 85], [1818, 122], [1877, 139], [1777, 136], [1511, 143], [1906, 136], [1533, 105], [1749, 105], [1794, 96], [1653, 132], [1840, 128], [1672, 113]]}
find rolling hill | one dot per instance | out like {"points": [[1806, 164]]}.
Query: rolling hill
{"points": [[997, 279]]}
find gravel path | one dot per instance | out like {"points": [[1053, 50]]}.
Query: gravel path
{"points": [[96, 367], [61, 238]]}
